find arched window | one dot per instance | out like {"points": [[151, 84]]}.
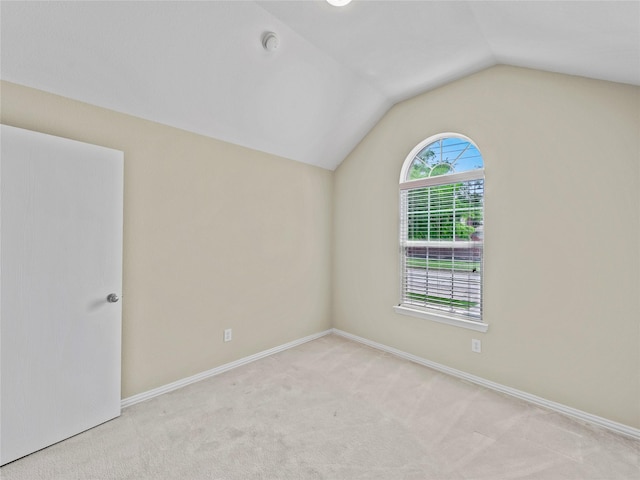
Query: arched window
{"points": [[442, 231]]}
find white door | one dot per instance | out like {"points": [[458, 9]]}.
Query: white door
{"points": [[60, 258]]}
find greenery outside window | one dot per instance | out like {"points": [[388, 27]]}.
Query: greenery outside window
{"points": [[442, 231]]}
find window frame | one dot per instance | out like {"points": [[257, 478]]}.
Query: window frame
{"points": [[425, 312]]}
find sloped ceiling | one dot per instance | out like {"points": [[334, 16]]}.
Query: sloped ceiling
{"points": [[200, 66]]}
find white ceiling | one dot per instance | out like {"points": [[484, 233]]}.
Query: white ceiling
{"points": [[200, 66]]}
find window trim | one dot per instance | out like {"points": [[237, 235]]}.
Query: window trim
{"points": [[406, 166], [404, 184]]}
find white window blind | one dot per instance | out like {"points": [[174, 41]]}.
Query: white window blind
{"points": [[441, 239]]}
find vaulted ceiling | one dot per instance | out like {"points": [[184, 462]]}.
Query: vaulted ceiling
{"points": [[201, 66]]}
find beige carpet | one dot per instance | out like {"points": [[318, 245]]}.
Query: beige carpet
{"points": [[334, 409]]}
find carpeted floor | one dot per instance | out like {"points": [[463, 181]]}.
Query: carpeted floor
{"points": [[335, 409]]}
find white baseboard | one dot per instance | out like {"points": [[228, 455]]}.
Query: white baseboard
{"points": [[141, 397], [542, 402]]}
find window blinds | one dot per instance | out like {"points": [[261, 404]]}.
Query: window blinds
{"points": [[441, 241]]}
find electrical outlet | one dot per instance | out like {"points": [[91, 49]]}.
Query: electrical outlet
{"points": [[228, 335], [476, 346]]}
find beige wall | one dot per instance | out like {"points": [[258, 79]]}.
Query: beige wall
{"points": [[215, 236], [562, 264], [219, 236]]}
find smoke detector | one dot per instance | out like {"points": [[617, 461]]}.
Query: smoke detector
{"points": [[270, 41]]}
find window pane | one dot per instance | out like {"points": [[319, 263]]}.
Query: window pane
{"points": [[446, 212], [445, 156], [444, 278]]}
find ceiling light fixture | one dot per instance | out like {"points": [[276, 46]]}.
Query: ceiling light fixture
{"points": [[270, 41], [338, 3]]}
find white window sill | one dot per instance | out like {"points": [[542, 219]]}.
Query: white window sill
{"points": [[441, 318]]}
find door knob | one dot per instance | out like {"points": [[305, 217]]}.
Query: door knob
{"points": [[112, 298]]}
